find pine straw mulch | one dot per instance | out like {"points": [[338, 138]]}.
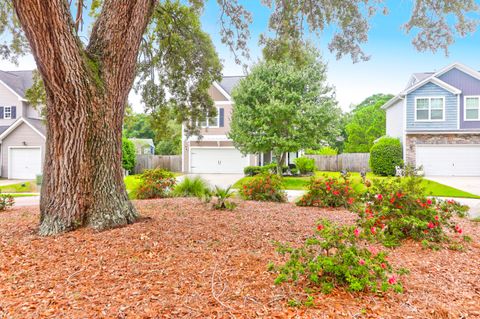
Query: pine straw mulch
{"points": [[186, 261]]}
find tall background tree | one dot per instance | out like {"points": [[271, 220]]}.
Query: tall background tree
{"points": [[87, 79], [283, 107], [366, 124]]}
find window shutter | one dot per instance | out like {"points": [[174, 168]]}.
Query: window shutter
{"points": [[1, 112], [14, 112], [222, 117]]}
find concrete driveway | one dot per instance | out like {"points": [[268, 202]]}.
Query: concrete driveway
{"points": [[469, 184], [221, 180]]}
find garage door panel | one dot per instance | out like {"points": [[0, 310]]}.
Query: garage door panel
{"points": [[25, 163], [446, 160], [217, 160]]}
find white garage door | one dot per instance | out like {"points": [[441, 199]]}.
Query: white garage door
{"points": [[24, 163], [217, 160], [446, 160]]}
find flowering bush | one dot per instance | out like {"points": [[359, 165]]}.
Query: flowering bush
{"points": [[156, 183], [333, 258], [329, 192], [264, 187], [398, 209], [6, 201]]}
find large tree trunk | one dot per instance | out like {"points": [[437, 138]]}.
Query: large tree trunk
{"points": [[87, 90]]}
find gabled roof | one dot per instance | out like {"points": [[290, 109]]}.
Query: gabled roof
{"points": [[17, 81], [227, 84], [418, 80], [37, 125]]}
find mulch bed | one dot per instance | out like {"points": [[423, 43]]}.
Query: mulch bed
{"points": [[183, 260]]}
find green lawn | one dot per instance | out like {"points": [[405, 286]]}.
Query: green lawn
{"points": [[432, 188], [27, 187]]}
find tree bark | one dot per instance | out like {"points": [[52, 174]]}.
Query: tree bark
{"points": [[280, 160], [87, 90]]}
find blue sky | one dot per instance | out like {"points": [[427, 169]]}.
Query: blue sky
{"points": [[393, 57]]}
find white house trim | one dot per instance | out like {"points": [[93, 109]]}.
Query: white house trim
{"points": [[15, 125], [11, 90], [224, 93], [221, 138], [223, 102], [436, 81], [461, 67], [392, 101], [442, 132]]}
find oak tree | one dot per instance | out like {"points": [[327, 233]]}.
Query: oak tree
{"points": [[87, 76]]}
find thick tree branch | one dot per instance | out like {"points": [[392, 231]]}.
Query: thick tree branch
{"points": [[50, 31], [116, 38]]}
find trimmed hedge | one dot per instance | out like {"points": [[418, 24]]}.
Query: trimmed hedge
{"points": [[256, 170], [305, 165], [385, 155], [129, 156]]}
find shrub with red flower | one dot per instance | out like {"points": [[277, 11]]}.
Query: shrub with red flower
{"points": [[156, 183], [329, 192], [407, 214], [264, 187], [334, 257]]}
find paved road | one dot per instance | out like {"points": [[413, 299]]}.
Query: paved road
{"points": [[5, 182]]}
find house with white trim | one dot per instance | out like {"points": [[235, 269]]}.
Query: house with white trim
{"points": [[214, 152], [22, 130], [437, 118]]}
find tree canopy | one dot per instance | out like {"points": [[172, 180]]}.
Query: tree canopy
{"points": [[367, 124], [282, 108]]}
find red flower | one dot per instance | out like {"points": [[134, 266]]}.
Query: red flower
{"points": [[320, 227], [399, 195], [361, 262], [458, 229], [356, 232], [379, 196], [429, 201], [351, 200], [392, 280], [373, 230], [392, 200], [383, 265], [431, 225], [436, 217], [328, 188], [336, 193]]}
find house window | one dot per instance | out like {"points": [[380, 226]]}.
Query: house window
{"points": [[7, 112], [472, 108], [429, 109], [211, 121]]}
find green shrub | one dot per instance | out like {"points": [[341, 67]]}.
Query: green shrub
{"points": [[305, 165], [6, 201], [192, 187], [385, 155], [129, 156], [398, 209], [332, 258], [222, 196], [255, 170], [156, 183], [264, 187], [328, 192], [326, 150]]}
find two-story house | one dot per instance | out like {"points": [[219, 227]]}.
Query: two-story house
{"points": [[214, 152], [22, 131], [437, 118]]}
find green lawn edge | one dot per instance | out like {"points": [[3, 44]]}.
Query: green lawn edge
{"points": [[432, 188]]}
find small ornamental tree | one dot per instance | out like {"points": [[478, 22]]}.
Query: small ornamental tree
{"points": [[129, 157], [283, 108], [385, 155]]}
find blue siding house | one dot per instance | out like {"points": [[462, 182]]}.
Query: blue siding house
{"points": [[437, 118]]}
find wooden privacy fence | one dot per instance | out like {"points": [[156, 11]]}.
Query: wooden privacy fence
{"points": [[169, 162], [352, 162]]}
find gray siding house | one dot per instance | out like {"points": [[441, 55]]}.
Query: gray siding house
{"points": [[22, 131], [437, 118]]}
